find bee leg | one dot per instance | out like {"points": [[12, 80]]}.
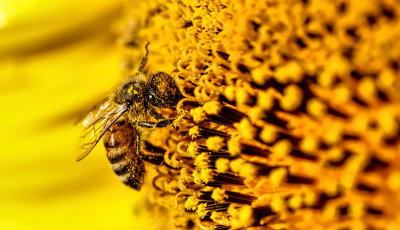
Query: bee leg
{"points": [[138, 142], [144, 59], [159, 124], [153, 154], [155, 114], [157, 158], [154, 159]]}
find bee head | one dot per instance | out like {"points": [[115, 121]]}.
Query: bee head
{"points": [[130, 93]]}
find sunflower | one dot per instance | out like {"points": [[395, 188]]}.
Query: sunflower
{"points": [[290, 117], [56, 60], [291, 112]]}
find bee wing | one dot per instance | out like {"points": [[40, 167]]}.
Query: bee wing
{"points": [[84, 113], [96, 124]]}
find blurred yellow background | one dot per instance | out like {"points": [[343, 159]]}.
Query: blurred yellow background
{"points": [[56, 59]]}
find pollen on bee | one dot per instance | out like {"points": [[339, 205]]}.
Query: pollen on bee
{"points": [[130, 89]]}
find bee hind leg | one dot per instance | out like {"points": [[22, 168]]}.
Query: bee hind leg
{"points": [[159, 124], [156, 155]]}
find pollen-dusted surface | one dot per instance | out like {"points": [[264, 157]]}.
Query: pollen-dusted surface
{"points": [[291, 112]]}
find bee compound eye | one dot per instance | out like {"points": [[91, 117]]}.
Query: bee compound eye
{"points": [[152, 96], [128, 102], [120, 123]]}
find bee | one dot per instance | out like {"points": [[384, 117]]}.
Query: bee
{"points": [[121, 120]]}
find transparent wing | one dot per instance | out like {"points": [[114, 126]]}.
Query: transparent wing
{"points": [[84, 113], [96, 124]]}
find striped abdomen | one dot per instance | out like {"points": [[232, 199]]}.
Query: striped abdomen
{"points": [[120, 144]]}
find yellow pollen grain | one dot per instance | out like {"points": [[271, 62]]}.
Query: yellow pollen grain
{"points": [[192, 149], [278, 205], [277, 176], [202, 160], [295, 202], [191, 203], [333, 134], [292, 97], [316, 108], [194, 132], [268, 134], [356, 209], [222, 165], [130, 90], [220, 218], [386, 79], [259, 75], [265, 100], [309, 144], [366, 89], [205, 175], [331, 188], [282, 148], [335, 154], [337, 65], [212, 107], [237, 164], [348, 182], [201, 210], [248, 170], [330, 212], [387, 122], [242, 96], [234, 146], [246, 217], [177, 121], [326, 78], [219, 195], [291, 72], [246, 129], [356, 163], [256, 113], [342, 93], [310, 198], [215, 143], [393, 181], [230, 93], [361, 122], [198, 114], [197, 177]]}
